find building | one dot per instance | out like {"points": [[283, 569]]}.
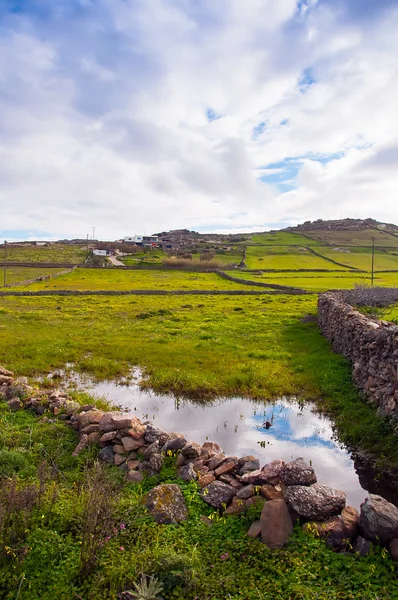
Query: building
{"points": [[97, 252], [148, 241]]}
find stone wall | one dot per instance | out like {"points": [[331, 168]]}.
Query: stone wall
{"points": [[41, 278], [369, 344]]}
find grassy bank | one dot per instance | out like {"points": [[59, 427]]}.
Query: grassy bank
{"points": [[18, 274], [69, 529], [259, 347]]}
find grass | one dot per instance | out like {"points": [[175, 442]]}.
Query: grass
{"points": [[320, 282], [43, 540], [285, 257], [58, 253], [114, 279], [152, 256], [17, 274], [355, 238], [283, 238], [212, 346], [383, 261]]}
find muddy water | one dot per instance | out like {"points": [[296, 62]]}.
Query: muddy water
{"points": [[237, 424]]}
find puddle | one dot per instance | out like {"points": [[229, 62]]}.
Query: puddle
{"points": [[237, 425]]}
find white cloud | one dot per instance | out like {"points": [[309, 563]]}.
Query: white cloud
{"points": [[104, 114]]}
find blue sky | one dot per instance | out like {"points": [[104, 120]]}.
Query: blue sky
{"points": [[132, 115]]}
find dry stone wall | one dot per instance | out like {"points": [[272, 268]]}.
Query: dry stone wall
{"points": [[370, 345]]}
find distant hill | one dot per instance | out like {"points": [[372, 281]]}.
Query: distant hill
{"points": [[343, 225]]}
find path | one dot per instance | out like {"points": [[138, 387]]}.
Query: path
{"points": [[115, 261]]}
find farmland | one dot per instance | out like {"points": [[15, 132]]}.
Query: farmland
{"points": [[362, 237], [286, 257], [361, 257], [55, 253], [19, 274]]}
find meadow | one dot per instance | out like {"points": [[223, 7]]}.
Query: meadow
{"points": [[18, 274], [284, 238], [286, 257], [362, 237], [118, 279], [361, 258], [55, 253]]}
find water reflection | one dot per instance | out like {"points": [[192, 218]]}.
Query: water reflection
{"points": [[238, 425]]}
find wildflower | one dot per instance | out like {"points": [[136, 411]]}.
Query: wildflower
{"points": [[107, 539], [224, 556], [121, 549], [122, 526], [115, 531]]}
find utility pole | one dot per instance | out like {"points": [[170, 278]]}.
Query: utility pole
{"points": [[5, 263], [373, 261]]}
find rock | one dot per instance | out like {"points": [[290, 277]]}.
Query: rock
{"points": [[166, 504], [15, 404], [217, 493], [71, 407], [132, 464], [94, 437], [211, 448], [297, 472], [106, 455], [205, 480], [191, 450], [117, 420], [246, 492], [331, 528], [156, 462], [350, 519], [254, 529], [180, 460], [152, 449], [90, 417], [316, 501], [271, 473], [378, 520], [362, 546], [89, 429], [108, 437], [276, 524], [231, 481], [137, 431], [394, 549], [271, 492], [40, 409], [251, 465], [130, 443], [6, 372], [119, 449], [118, 459], [216, 461], [174, 444], [4, 379], [237, 507], [245, 459], [83, 443], [255, 501], [227, 467], [154, 433], [134, 476], [187, 472]]}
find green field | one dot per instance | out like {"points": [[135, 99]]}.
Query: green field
{"points": [[152, 256], [363, 237], [320, 282], [283, 238], [117, 279], [17, 274], [361, 258], [58, 253], [285, 257]]}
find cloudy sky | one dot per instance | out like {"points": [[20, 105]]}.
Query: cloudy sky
{"points": [[137, 116]]}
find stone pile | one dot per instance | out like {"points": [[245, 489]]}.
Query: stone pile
{"points": [[286, 493], [371, 346]]}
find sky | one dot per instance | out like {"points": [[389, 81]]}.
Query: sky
{"points": [[139, 116]]}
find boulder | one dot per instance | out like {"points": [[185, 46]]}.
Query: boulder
{"points": [[246, 492], [187, 472], [174, 444], [217, 494], [378, 520], [318, 502], [350, 519], [166, 504], [271, 473], [271, 492], [297, 472], [276, 524], [154, 433], [116, 420]]}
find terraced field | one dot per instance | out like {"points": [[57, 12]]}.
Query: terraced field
{"points": [[286, 257], [361, 258]]}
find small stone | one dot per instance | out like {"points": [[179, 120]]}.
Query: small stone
{"points": [[174, 444], [297, 472], [152, 449], [237, 507], [255, 501], [119, 459], [90, 429], [15, 404], [211, 448], [166, 504], [187, 472], [394, 549], [119, 449], [94, 437], [117, 420], [362, 546], [246, 492], [137, 431], [378, 520], [154, 433], [130, 443], [205, 480], [271, 492], [156, 462], [71, 407], [276, 524], [40, 409], [56, 411], [191, 450], [254, 530], [226, 467], [108, 437], [250, 465], [231, 481], [132, 464], [134, 476], [217, 494], [216, 461], [83, 443], [106, 455], [6, 372], [350, 519]]}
